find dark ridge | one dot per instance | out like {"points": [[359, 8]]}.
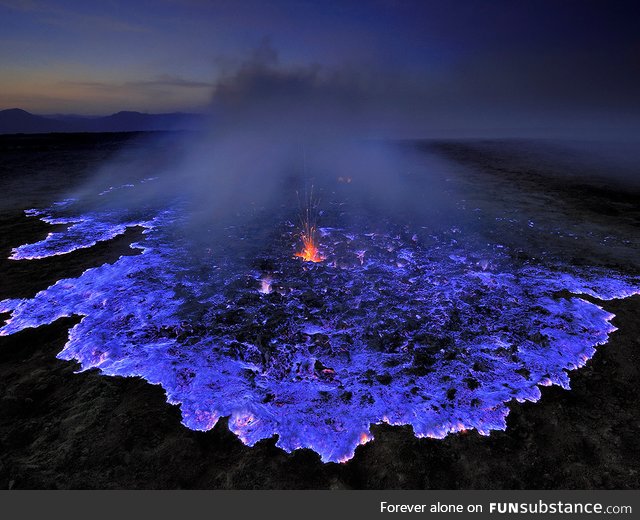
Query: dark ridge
{"points": [[15, 121], [18, 121]]}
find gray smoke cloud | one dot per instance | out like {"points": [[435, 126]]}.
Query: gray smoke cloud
{"points": [[273, 130]]}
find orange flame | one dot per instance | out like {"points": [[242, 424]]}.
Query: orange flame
{"points": [[310, 252], [308, 233]]}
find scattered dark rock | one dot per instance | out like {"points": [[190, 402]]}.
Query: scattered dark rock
{"points": [[384, 379]]}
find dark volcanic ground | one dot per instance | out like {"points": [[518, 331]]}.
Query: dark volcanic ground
{"points": [[64, 430]]}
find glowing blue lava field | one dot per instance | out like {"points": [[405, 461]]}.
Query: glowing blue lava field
{"points": [[439, 329]]}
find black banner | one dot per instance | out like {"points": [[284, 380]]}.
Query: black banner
{"points": [[319, 504]]}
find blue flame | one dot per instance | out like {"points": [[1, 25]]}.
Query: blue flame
{"points": [[428, 332]]}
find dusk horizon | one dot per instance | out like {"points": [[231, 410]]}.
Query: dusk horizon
{"points": [[425, 68]]}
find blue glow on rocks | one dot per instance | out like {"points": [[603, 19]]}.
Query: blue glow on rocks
{"points": [[405, 327]]}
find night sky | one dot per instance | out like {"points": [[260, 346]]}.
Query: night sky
{"points": [[444, 66]]}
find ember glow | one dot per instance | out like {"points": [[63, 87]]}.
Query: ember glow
{"points": [[309, 232], [439, 331], [310, 252]]}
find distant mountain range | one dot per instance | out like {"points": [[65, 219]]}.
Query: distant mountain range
{"points": [[17, 121]]}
